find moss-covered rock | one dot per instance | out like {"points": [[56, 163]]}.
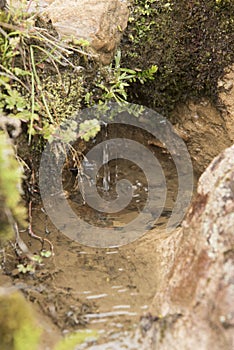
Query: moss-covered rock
{"points": [[18, 330], [190, 41], [10, 189]]}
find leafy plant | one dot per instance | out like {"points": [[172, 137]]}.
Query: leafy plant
{"points": [[46, 253], [19, 331], [120, 79], [26, 49], [89, 129], [36, 260], [190, 41], [26, 268]]}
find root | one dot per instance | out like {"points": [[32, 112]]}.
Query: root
{"points": [[33, 235]]}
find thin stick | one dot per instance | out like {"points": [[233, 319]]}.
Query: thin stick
{"points": [[22, 246], [33, 235], [32, 108]]}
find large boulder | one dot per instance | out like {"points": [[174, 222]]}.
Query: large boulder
{"points": [[193, 307]]}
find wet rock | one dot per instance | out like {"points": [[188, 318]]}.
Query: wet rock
{"points": [[99, 22], [204, 129], [193, 306]]}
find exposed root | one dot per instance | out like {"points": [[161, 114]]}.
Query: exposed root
{"points": [[33, 235]]}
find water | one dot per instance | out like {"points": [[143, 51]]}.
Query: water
{"points": [[118, 283], [106, 169]]}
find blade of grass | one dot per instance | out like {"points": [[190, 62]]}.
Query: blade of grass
{"points": [[10, 75], [37, 79], [32, 109]]}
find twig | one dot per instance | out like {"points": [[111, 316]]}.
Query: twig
{"points": [[22, 246], [33, 235], [60, 44], [10, 75]]}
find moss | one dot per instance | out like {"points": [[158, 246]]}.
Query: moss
{"points": [[10, 188], [71, 341], [64, 93], [17, 327], [191, 42]]}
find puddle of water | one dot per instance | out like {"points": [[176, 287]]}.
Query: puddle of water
{"points": [[106, 289], [114, 171], [115, 285]]}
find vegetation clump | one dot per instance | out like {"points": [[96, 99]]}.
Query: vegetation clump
{"points": [[18, 330], [191, 42], [11, 174]]}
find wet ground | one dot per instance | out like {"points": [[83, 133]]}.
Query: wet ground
{"points": [[105, 289]]}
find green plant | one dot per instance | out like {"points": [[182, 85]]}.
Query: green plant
{"points": [[11, 174], [46, 253], [26, 268], [26, 50], [190, 41], [89, 129], [18, 329], [141, 16], [120, 79], [35, 261], [145, 75], [71, 341]]}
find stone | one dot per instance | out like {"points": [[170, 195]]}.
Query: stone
{"points": [[203, 124], [2, 4], [193, 306], [226, 97], [99, 22]]}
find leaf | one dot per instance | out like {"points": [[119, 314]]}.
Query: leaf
{"points": [[25, 115], [20, 72], [89, 129], [21, 268], [46, 253], [37, 258], [117, 59]]}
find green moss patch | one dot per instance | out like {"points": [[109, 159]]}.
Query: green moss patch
{"points": [[191, 42]]}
